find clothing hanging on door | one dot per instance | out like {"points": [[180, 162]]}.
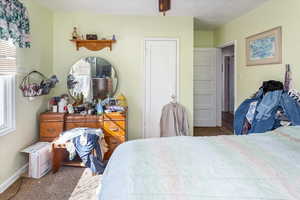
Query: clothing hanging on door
{"points": [[174, 120]]}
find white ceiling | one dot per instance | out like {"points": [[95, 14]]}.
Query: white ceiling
{"points": [[208, 13]]}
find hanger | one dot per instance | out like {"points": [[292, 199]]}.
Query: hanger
{"points": [[173, 99]]}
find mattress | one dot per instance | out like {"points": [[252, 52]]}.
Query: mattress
{"points": [[259, 166]]}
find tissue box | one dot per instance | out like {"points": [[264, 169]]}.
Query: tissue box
{"points": [[40, 159]]}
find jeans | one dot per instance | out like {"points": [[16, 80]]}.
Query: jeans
{"points": [[291, 109], [86, 149]]}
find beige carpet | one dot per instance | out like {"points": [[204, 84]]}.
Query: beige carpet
{"points": [[69, 183]]}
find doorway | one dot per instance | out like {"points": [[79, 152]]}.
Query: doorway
{"points": [[214, 90], [228, 89], [161, 81]]}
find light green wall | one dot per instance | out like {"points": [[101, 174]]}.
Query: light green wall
{"points": [[203, 39], [271, 14], [127, 54], [38, 57]]}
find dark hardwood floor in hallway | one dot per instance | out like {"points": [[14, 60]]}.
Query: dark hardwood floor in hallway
{"points": [[226, 129]]}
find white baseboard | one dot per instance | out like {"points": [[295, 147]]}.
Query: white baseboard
{"points": [[13, 178]]}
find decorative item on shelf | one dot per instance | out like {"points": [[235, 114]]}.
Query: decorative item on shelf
{"points": [[113, 37], [91, 37], [75, 35], [32, 88]]}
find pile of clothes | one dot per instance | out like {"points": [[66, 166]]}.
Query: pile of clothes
{"points": [[274, 105], [87, 143]]}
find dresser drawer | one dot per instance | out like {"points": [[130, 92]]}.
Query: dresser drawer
{"points": [[71, 125], [113, 142], [70, 118], [51, 129], [115, 128], [114, 116], [52, 117]]}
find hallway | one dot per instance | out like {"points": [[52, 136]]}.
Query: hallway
{"points": [[226, 129]]}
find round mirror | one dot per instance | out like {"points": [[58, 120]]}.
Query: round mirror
{"points": [[92, 78]]}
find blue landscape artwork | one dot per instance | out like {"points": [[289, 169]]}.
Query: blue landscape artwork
{"points": [[263, 48]]}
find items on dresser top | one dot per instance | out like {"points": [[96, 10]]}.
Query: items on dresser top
{"points": [[62, 104]]}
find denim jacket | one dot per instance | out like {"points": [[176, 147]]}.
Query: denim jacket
{"points": [[241, 112]]}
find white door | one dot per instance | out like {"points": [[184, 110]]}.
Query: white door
{"points": [[160, 81], [205, 91]]}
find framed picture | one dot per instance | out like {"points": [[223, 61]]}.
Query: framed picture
{"points": [[264, 48]]}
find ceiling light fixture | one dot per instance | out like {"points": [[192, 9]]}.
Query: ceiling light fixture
{"points": [[164, 5]]}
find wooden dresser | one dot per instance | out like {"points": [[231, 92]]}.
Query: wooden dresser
{"points": [[114, 126]]}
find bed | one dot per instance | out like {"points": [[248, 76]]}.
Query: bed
{"points": [[254, 167]]}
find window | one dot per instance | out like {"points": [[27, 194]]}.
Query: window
{"points": [[7, 87]]}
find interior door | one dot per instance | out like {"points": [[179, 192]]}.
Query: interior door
{"points": [[205, 91], [160, 81]]}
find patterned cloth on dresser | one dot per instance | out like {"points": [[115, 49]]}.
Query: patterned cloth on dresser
{"points": [[174, 121]]}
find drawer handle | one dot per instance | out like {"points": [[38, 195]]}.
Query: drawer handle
{"points": [[51, 130], [114, 129]]}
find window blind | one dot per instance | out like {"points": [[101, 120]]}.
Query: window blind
{"points": [[7, 56]]}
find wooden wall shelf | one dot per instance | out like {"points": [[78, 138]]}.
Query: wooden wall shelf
{"points": [[94, 45]]}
